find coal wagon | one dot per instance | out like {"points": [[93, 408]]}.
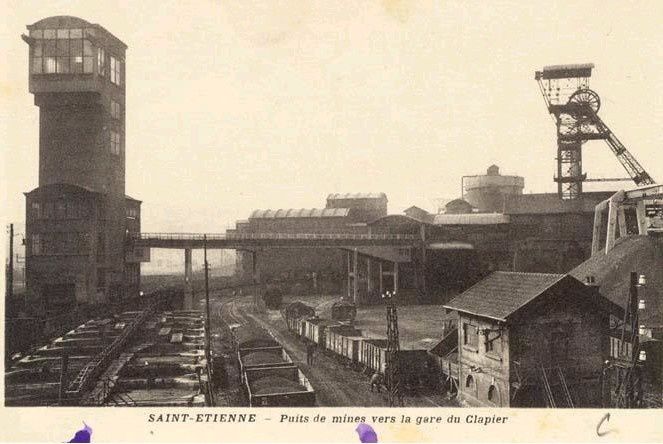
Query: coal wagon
{"points": [[278, 386], [251, 358]]}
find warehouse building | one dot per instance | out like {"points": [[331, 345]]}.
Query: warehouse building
{"points": [[343, 213]]}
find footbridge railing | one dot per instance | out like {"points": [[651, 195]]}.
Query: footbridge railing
{"points": [[270, 236]]}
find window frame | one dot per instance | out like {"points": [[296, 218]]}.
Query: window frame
{"points": [[61, 51], [101, 61], [115, 143], [496, 398], [490, 344], [116, 110], [466, 337], [115, 70]]}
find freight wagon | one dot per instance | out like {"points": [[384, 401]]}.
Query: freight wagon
{"points": [[345, 342], [246, 338], [278, 386], [373, 354], [314, 329], [294, 313], [295, 325], [250, 358]]}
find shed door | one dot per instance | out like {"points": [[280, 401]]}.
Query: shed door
{"points": [[559, 347]]}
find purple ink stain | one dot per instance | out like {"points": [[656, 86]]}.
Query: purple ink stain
{"points": [[84, 435], [366, 433]]}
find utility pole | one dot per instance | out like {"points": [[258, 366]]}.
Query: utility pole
{"points": [[10, 266], [393, 368], [629, 390], [208, 352]]}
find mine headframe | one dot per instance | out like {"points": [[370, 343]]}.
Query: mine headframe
{"points": [[574, 107]]}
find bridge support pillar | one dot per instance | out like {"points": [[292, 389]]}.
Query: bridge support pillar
{"points": [[355, 276], [255, 278], [188, 280], [348, 286], [613, 209], [395, 277], [599, 218], [640, 214], [381, 279], [369, 277]]}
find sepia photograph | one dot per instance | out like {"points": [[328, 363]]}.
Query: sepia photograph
{"points": [[383, 203]]}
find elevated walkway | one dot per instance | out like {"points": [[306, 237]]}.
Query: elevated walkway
{"points": [[253, 241]]}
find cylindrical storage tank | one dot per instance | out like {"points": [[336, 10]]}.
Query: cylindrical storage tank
{"points": [[488, 193]]}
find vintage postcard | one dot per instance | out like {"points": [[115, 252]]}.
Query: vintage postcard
{"points": [[332, 221]]}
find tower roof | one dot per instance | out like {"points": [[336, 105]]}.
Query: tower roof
{"points": [[69, 21]]}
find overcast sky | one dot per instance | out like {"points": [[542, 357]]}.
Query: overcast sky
{"points": [[238, 105]]}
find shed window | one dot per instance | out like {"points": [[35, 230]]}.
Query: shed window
{"points": [[493, 342], [470, 335], [493, 395]]}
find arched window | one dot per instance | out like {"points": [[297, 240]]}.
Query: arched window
{"points": [[493, 395], [469, 382]]}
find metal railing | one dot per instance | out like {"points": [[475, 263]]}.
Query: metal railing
{"points": [[96, 366], [270, 236]]}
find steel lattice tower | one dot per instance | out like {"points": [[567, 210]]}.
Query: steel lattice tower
{"points": [[393, 370], [574, 108]]}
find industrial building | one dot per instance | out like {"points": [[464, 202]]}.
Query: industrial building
{"points": [[529, 340], [78, 216], [343, 213], [492, 226]]}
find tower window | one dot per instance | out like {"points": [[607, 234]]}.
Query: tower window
{"points": [[61, 51], [36, 210], [115, 70], [36, 244], [101, 61], [115, 142], [116, 111]]}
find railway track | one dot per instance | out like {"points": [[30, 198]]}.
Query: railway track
{"points": [[335, 383]]}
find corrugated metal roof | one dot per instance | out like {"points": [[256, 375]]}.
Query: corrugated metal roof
{"points": [[471, 219], [571, 66], [336, 196], [299, 212], [550, 203], [502, 293]]}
